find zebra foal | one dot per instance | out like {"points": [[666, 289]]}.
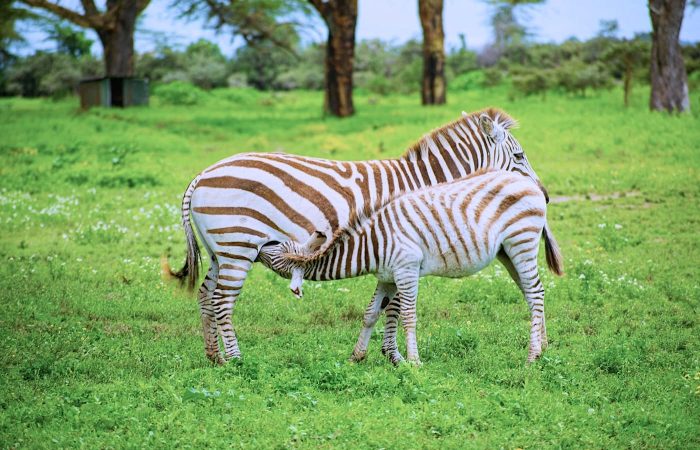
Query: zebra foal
{"points": [[453, 229]]}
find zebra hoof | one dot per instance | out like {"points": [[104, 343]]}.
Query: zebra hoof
{"points": [[415, 362], [358, 357], [533, 356], [395, 358], [216, 359]]}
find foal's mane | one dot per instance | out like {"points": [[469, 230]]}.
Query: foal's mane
{"points": [[499, 116]]}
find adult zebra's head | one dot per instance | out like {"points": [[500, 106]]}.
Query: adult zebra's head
{"points": [[507, 152]]}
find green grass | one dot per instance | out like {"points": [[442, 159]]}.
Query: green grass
{"points": [[97, 351]]}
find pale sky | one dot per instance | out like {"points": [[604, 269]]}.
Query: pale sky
{"points": [[397, 21]]}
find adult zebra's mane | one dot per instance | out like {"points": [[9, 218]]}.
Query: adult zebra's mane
{"points": [[499, 116], [357, 220]]}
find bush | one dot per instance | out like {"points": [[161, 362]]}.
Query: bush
{"points": [[179, 93], [532, 81], [575, 76], [48, 74], [492, 77], [468, 81]]}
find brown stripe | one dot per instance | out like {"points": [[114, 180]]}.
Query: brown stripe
{"points": [[487, 199], [438, 219], [378, 183], [522, 230], [328, 180], [417, 228], [227, 278], [449, 154], [460, 234], [348, 257], [375, 242], [232, 267], [507, 202], [261, 190], [466, 204], [396, 171], [416, 206], [236, 211], [424, 173], [245, 230], [296, 185], [237, 244], [523, 214], [389, 177], [234, 256], [364, 183], [459, 151], [403, 167], [435, 164], [223, 287]]}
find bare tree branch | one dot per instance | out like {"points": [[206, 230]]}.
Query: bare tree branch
{"points": [[95, 21]]}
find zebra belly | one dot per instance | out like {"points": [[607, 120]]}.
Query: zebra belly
{"points": [[451, 265]]}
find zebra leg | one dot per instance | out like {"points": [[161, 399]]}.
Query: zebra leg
{"points": [[524, 265], [407, 284], [508, 264], [206, 310], [232, 275], [382, 294], [389, 347]]}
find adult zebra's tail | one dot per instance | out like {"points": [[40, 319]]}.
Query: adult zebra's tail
{"points": [[551, 249], [190, 270]]}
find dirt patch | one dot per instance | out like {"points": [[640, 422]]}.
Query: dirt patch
{"points": [[593, 197]]}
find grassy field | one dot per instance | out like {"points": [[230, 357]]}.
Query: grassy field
{"points": [[97, 351]]}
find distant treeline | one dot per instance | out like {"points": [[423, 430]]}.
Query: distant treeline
{"points": [[380, 67]]}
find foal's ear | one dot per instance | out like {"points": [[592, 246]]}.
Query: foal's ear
{"points": [[487, 126], [315, 241], [490, 129]]}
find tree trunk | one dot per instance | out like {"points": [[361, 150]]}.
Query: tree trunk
{"points": [[434, 86], [118, 41], [669, 82], [115, 26], [627, 78], [341, 19]]}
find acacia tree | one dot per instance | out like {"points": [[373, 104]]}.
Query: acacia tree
{"points": [[115, 27], [340, 17], [256, 21], [433, 90], [669, 81]]}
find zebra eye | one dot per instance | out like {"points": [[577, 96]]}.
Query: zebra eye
{"points": [[518, 156]]}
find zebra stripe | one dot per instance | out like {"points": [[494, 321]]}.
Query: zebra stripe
{"points": [[453, 229], [250, 200]]}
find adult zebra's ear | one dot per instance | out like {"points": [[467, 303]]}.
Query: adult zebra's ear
{"points": [[315, 241], [297, 282], [489, 128]]}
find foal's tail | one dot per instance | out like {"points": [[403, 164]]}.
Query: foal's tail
{"points": [[551, 249], [190, 271]]}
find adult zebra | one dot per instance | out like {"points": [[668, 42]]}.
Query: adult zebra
{"points": [[250, 200], [452, 230]]}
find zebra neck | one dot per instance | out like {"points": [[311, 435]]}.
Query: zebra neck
{"points": [[348, 257], [447, 155]]}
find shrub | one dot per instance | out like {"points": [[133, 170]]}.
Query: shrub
{"points": [[42, 74], [468, 81], [575, 76], [179, 93], [532, 82], [492, 77]]}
